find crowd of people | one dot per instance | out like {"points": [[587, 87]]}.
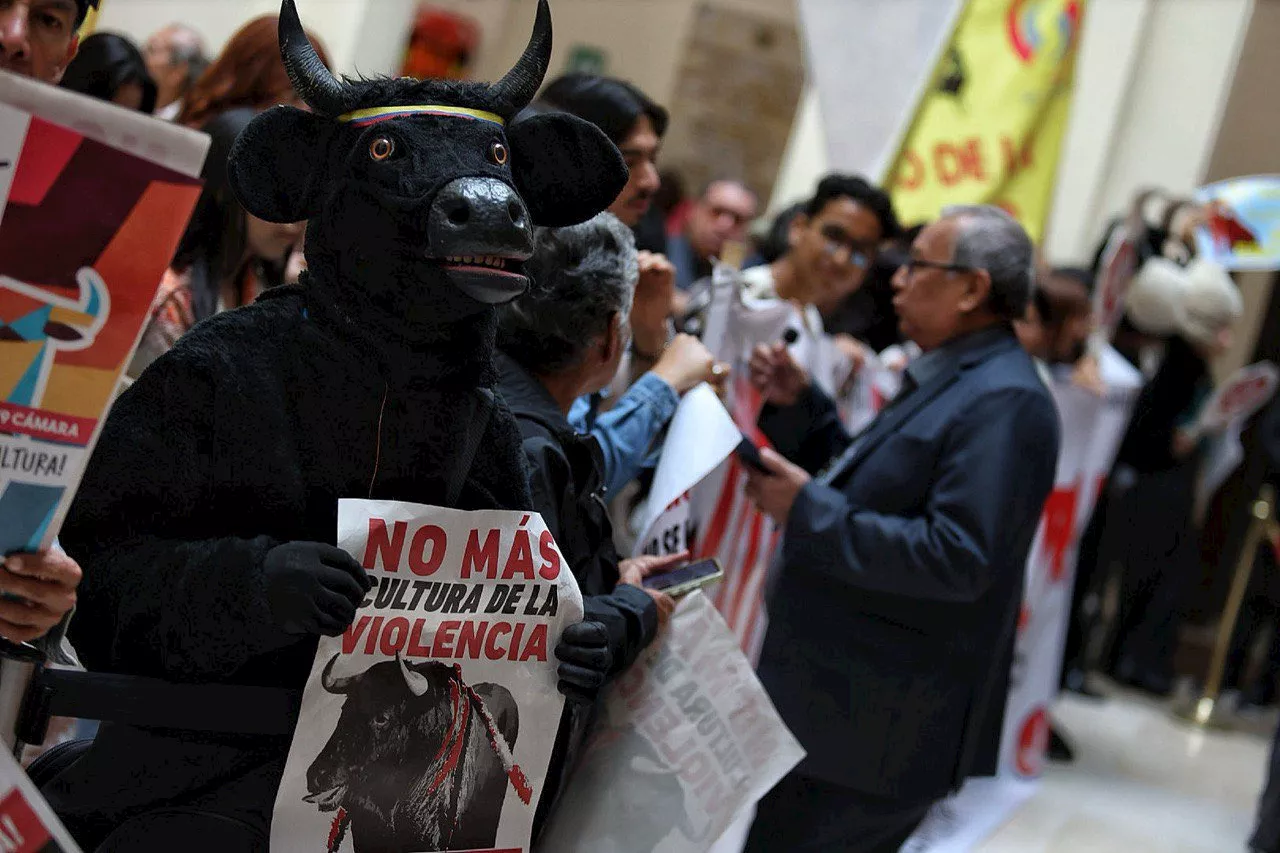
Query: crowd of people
{"points": [[895, 598]]}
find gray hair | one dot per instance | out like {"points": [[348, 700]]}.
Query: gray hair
{"points": [[580, 277], [186, 46], [988, 238]]}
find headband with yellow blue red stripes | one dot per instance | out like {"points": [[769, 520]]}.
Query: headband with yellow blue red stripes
{"points": [[373, 115]]}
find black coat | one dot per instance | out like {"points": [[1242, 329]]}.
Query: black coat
{"points": [[892, 625], [566, 478], [242, 437]]}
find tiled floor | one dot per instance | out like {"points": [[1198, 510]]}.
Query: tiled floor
{"points": [[1142, 783]]}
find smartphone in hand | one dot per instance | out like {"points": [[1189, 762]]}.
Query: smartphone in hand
{"points": [[687, 578], [750, 455]]}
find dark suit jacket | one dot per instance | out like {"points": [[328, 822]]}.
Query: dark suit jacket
{"points": [[894, 612]]}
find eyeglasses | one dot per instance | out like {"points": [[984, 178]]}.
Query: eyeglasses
{"points": [[912, 264], [834, 239]]}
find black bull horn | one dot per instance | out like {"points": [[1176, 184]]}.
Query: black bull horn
{"points": [[321, 91], [415, 681], [329, 96], [336, 685], [514, 91]]}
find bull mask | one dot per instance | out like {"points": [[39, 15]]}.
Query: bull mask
{"points": [[284, 165]]}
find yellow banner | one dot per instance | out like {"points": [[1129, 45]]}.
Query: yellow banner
{"points": [[989, 128], [90, 21]]}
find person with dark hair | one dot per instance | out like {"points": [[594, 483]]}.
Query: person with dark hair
{"points": [[225, 258], [1063, 317], [110, 68], [38, 38], [894, 603], [635, 123], [560, 341], [630, 119], [176, 60], [831, 246], [867, 313]]}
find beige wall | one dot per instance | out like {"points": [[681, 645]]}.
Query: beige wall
{"points": [[1169, 114]]}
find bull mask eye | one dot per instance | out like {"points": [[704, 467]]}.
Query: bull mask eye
{"points": [[498, 153], [381, 149], [382, 719]]}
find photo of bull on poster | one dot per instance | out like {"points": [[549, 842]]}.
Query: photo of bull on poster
{"points": [[687, 741], [429, 724]]}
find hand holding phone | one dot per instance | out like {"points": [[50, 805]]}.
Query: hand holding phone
{"points": [[687, 578], [750, 455]]}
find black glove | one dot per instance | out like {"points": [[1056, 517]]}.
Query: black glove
{"points": [[585, 661], [313, 588]]}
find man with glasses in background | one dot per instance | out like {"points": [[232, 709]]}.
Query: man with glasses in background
{"points": [[831, 246], [894, 603], [720, 215]]}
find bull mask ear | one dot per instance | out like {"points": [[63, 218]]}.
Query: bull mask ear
{"points": [[276, 162], [566, 169]]}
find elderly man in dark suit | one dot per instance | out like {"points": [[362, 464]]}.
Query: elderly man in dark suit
{"points": [[895, 600]]}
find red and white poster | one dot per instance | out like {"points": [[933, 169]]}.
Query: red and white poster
{"points": [[1116, 269], [93, 201], [1247, 391], [27, 824], [429, 724]]}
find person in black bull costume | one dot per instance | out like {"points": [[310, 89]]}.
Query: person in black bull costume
{"points": [[206, 517]]}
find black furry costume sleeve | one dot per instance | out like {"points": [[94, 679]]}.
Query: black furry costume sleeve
{"points": [[175, 604]]}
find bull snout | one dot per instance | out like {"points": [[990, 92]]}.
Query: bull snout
{"points": [[480, 218]]}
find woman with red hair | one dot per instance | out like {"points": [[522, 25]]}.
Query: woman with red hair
{"points": [[248, 73], [226, 257]]}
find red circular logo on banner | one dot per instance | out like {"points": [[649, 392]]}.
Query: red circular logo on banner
{"points": [[1033, 743]]}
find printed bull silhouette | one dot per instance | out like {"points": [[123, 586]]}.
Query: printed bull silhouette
{"points": [[418, 760]]}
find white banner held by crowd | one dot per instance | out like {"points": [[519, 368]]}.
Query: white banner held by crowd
{"points": [[429, 724], [687, 740]]}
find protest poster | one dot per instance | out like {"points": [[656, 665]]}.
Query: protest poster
{"points": [[93, 201], [700, 438], [1092, 428], [686, 741], [1222, 422], [27, 824], [1116, 268], [429, 724], [1247, 391], [1241, 226]]}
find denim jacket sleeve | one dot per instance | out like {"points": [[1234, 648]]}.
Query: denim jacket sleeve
{"points": [[627, 431]]}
